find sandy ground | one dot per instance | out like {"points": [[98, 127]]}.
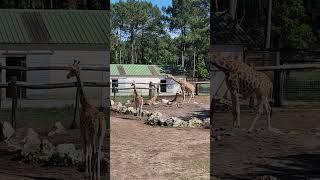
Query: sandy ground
{"points": [[139, 151], [295, 154]]}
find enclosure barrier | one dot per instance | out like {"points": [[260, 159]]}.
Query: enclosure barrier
{"points": [[153, 86], [13, 85]]}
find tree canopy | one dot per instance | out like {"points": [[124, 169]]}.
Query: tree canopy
{"points": [[175, 35]]}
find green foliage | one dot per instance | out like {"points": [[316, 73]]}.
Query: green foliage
{"points": [[291, 24], [202, 69], [141, 33]]}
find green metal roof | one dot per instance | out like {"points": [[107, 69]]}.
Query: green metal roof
{"points": [[143, 70], [24, 26]]}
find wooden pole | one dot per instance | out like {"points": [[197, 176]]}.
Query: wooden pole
{"points": [[197, 89], [150, 90], [277, 83], [75, 124], [114, 92], [13, 90]]}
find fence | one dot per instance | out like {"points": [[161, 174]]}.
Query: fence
{"points": [[14, 85], [155, 87], [296, 76]]}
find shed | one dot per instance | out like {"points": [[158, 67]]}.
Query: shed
{"points": [[33, 38], [122, 76]]}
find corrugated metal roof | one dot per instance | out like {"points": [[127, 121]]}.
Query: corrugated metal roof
{"points": [[144, 70], [54, 26]]}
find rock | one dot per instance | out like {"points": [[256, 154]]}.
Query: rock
{"points": [[145, 113], [57, 129], [156, 113], [46, 150], [168, 122], [179, 123], [111, 102], [117, 107], [266, 177], [164, 101], [31, 143], [153, 120], [123, 109], [6, 130], [128, 103], [131, 110], [66, 155], [206, 123], [195, 123], [161, 122]]}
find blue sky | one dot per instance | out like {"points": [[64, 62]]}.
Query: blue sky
{"points": [[159, 3]]}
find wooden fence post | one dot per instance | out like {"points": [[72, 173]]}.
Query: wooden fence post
{"points": [[75, 124], [13, 90], [277, 83], [114, 92], [151, 94], [197, 89]]}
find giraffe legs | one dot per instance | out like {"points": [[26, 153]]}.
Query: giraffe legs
{"points": [[235, 109], [191, 96], [258, 115]]}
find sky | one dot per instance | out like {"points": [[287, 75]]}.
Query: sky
{"points": [[159, 3]]}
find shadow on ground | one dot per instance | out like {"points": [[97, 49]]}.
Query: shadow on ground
{"points": [[293, 167]]}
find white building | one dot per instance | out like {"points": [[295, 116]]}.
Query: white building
{"points": [[122, 75], [33, 38]]}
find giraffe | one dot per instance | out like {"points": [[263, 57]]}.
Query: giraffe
{"points": [[138, 100], [92, 127], [243, 80], [185, 87], [152, 100]]}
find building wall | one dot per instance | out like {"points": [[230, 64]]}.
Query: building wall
{"points": [[64, 58], [171, 89]]}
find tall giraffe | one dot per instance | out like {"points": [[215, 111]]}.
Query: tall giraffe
{"points": [[243, 80], [92, 127], [138, 100], [185, 87]]}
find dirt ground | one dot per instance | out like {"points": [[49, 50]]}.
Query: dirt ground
{"points": [[295, 154], [139, 151]]}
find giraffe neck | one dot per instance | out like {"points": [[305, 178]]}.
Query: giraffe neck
{"points": [[176, 80], [83, 99], [135, 91]]}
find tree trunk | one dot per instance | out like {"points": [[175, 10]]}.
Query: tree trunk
{"points": [[132, 47], [268, 27], [183, 47], [194, 64], [233, 8], [217, 5], [142, 49]]}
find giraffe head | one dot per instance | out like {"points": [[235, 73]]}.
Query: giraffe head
{"points": [[133, 83], [74, 69], [169, 76]]}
